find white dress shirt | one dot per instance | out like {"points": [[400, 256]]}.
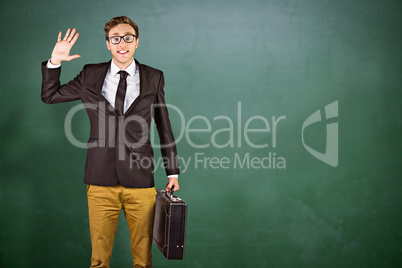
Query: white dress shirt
{"points": [[111, 83], [109, 88]]}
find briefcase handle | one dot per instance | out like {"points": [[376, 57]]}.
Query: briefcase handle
{"points": [[171, 191], [171, 196]]}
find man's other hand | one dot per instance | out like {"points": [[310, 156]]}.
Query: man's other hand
{"points": [[173, 181]]}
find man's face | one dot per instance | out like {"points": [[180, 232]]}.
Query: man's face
{"points": [[123, 52]]}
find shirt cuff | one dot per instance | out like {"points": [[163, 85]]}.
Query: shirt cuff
{"points": [[174, 175], [51, 65]]}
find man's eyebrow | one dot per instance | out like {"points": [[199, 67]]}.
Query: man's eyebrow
{"points": [[113, 34]]}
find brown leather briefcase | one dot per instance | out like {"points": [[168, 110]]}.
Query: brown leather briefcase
{"points": [[170, 225]]}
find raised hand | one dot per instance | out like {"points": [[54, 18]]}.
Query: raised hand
{"points": [[61, 51]]}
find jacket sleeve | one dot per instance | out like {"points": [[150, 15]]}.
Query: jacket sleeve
{"points": [[167, 141], [53, 92]]}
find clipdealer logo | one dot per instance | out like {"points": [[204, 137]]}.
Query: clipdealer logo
{"points": [[330, 156], [239, 127]]}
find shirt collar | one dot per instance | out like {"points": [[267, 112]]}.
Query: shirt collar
{"points": [[130, 69]]}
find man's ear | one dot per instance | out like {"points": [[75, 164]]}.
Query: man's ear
{"points": [[107, 44], [138, 40]]}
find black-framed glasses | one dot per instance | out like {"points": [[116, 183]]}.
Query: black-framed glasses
{"points": [[128, 38]]}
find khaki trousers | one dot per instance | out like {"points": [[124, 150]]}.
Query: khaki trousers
{"points": [[105, 204]]}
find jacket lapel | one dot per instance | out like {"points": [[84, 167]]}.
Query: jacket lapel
{"points": [[143, 85], [101, 72]]}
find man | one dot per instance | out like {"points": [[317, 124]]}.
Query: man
{"points": [[121, 97]]}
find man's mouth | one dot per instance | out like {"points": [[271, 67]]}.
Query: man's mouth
{"points": [[122, 52]]}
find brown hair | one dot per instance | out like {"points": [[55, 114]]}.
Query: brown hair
{"points": [[119, 20]]}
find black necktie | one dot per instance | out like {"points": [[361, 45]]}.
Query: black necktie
{"points": [[121, 93]]}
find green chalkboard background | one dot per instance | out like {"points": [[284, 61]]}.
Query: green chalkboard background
{"points": [[228, 65]]}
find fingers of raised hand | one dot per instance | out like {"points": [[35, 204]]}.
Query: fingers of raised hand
{"points": [[75, 38], [66, 35], [70, 36]]}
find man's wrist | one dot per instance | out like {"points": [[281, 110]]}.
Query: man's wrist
{"points": [[51, 65], [173, 176], [55, 62]]}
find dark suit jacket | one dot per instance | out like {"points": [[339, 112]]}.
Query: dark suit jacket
{"points": [[119, 148]]}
